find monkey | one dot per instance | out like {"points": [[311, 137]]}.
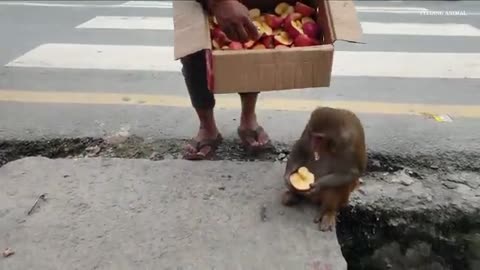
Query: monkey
{"points": [[332, 147]]}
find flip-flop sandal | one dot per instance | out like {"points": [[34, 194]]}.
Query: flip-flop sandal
{"points": [[198, 145], [244, 134]]}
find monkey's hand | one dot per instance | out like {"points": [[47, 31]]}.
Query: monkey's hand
{"points": [[330, 180]]}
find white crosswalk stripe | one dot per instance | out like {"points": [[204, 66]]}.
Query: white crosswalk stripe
{"points": [[346, 63]]}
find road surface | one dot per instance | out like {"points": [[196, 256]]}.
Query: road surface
{"points": [[93, 68]]}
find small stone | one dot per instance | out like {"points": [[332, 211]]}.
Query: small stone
{"points": [[66, 176], [155, 156], [92, 151], [376, 165], [450, 185], [407, 181], [221, 188], [435, 167], [281, 156], [8, 252]]}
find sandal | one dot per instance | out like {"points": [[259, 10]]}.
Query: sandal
{"points": [[247, 134], [198, 145]]}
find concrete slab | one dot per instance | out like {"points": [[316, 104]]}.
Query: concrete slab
{"points": [[140, 214]]}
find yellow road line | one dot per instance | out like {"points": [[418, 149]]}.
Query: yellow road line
{"points": [[232, 102]]}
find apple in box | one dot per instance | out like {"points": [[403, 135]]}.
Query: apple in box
{"points": [[274, 21], [304, 9], [283, 9]]}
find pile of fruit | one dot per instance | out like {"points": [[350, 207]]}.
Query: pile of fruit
{"points": [[288, 26]]}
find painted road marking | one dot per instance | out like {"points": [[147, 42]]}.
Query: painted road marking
{"points": [[97, 56], [166, 23], [407, 64], [157, 58], [143, 4], [148, 4], [421, 29], [415, 10], [168, 5], [129, 22], [230, 102]]}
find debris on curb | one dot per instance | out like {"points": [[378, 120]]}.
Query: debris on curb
{"points": [[8, 252], [42, 197], [263, 213]]}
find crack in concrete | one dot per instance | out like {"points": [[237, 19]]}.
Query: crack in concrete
{"points": [[134, 147]]}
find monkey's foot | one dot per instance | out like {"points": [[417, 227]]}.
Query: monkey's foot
{"points": [[289, 198], [328, 223]]}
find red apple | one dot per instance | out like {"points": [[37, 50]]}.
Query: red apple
{"points": [[304, 40], [218, 35], [267, 41], [311, 29], [304, 9], [273, 21]]}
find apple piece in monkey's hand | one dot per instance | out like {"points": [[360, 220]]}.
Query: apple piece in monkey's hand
{"points": [[302, 179]]}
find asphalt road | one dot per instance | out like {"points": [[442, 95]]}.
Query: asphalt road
{"points": [[391, 108]]}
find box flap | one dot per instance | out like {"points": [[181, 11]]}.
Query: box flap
{"points": [[345, 24], [191, 29]]}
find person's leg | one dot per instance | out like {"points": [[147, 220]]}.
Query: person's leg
{"points": [[249, 130], [203, 101]]}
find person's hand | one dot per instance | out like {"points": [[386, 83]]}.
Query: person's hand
{"points": [[232, 17]]}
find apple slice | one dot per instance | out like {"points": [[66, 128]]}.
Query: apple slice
{"points": [[282, 38], [311, 29], [249, 44], [215, 45], [259, 47], [307, 19], [254, 13], [283, 9], [304, 41], [280, 47], [273, 21], [235, 45], [304, 9], [260, 18], [302, 179], [293, 27], [263, 28]]}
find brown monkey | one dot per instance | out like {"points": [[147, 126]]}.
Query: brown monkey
{"points": [[332, 147]]}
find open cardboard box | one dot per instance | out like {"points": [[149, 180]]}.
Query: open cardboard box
{"points": [[236, 71]]}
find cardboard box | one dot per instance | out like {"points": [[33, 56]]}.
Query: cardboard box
{"points": [[266, 70]]}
